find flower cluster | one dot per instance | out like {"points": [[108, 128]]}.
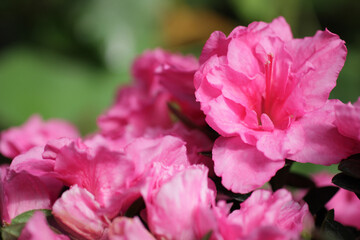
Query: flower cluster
{"points": [[185, 150]]}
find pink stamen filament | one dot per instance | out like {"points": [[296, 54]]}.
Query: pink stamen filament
{"points": [[268, 79]]}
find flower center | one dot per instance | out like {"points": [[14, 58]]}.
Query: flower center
{"points": [[266, 98]]}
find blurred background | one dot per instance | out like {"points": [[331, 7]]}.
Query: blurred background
{"points": [[65, 58]]}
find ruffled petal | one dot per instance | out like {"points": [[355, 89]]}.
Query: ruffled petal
{"points": [[78, 212], [323, 143], [242, 167]]}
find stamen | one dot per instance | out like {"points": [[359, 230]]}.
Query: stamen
{"points": [[268, 81]]}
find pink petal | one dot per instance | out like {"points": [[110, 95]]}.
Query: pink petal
{"points": [[135, 110], [104, 173], [196, 142], [33, 133], [348, 119], [21, 192], [123, 228], [168, 150], [264, 209], [317, 61], [78, 212], [323, 143], [216, 45], [52, 147], [170, 210], [234, 118], [38, 229], [32, 163], [278, 145], [242, 167]]}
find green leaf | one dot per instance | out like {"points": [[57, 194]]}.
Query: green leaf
{"points": [[13, 230], [316, 198], [349, 183], [207, 236], [280, 178], [299, 181], [24, 217], [351, 166], [331, 229]]}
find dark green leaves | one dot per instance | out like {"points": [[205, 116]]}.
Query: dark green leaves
{"points": [[316, 198], [333, 230], [351, 166], [284, 177], [279, 180], [347, 182], [349, 179]]}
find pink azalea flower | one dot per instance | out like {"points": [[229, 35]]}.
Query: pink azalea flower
{"points": [[107, 182], [135, 110], [38, 229], [345, 203], [103, 173], [21, 192], [148, 70], [79, 213], [171, 207], [266, 94], [159, 71], [123, 228], [34, 132], [348, 119], [266, 215], [160, 77]]}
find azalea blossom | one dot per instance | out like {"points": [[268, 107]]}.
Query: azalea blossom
{"points": [[80, 214], [266, 215], [104, 183], [35, 132], [171, 207], [103, 173], [266, 94], [160, 77], [133, 112]]}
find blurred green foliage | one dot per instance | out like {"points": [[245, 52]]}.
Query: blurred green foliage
{"points": [[64, 59]]}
